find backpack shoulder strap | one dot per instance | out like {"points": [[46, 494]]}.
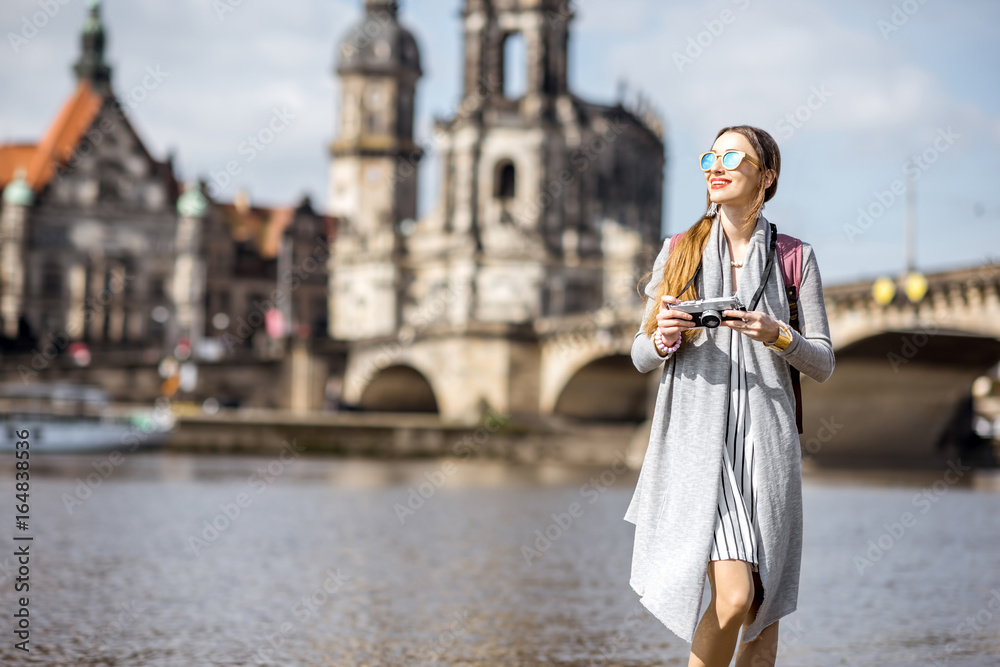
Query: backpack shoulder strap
{"points": [[790, 252], [674, 240]]}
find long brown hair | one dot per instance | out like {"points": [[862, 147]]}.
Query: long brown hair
{"points": [[684, 260]]}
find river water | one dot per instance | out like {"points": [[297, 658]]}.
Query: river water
{"points": [[189, 561]]}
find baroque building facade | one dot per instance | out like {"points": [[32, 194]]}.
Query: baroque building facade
{"points": [[88, 221], [262, 260], [101, 245], [547, 209]]}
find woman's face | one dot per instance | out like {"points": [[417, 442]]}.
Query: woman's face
{"points": [[734, 187]]}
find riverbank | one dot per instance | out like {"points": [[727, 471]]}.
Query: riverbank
{"points": [[391, 436], [519, 439]]}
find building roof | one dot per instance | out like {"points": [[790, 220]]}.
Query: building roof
{"points": [[262, 226], [377, 44], [12, 158], [58, 144]]}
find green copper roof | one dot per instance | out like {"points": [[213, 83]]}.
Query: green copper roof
{"points": [[93, 23], [192, 204], [91, 66], [18, 192]]}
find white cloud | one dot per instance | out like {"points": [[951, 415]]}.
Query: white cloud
{"points": [[767, 60], [888, 96]]}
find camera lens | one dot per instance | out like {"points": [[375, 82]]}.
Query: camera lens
{"points": [[711, 319]]}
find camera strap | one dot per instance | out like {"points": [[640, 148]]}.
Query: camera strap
{"points": [[773, 245], [696, 272], [767, 269]]}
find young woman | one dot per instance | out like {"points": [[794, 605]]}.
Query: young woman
{"points": [[721, 487]]}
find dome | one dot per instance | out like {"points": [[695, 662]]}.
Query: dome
{"points": [[18, 192], [378, 43]]}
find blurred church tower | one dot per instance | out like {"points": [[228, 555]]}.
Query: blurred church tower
{"points": [[546, 208], [378, 65]]}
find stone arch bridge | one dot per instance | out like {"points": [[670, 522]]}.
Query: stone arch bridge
{"points": [[903, 369]]}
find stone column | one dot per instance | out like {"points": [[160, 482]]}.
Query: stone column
{"points": [[98, 300], [75, 314], [115, 298], [188, 281], [17, 200]]}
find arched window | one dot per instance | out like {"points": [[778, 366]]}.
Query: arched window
{"points": [[404, 116], [514, 71], [374, 101], [505, 180]]}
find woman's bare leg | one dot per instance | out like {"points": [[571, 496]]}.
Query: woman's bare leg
{"points": [[732, 596], [763, 650]]}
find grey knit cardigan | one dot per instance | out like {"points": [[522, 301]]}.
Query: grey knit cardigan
{"points": [[675, 499]]}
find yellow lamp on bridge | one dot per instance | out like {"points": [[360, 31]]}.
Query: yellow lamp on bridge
{"points": [[915, 286], [883, 291]]}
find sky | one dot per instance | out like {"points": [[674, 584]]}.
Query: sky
{"points": [[861, 96]]}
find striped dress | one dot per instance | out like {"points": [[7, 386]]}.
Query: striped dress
{"points": [[736, 530]]}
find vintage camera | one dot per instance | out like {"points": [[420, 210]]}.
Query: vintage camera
{"points": [[708, 312]]}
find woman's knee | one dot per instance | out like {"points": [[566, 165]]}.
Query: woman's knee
{"points": [[733, 603]]}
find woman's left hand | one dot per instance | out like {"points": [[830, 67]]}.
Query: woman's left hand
{"points": [[755, 324]]}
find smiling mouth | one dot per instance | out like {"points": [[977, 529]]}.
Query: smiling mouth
{"points": [[716, 185]]}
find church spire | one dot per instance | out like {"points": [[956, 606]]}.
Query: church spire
{"points": [[91, 66]]}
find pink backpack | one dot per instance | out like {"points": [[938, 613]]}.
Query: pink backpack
{"points": [[790, 254]]}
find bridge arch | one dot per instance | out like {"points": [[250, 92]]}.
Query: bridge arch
{"points": [[399, 388], [572, 359], [606, 389], [894, 396]]}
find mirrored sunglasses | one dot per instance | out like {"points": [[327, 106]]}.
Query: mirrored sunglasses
{"points": [[730, 159]]}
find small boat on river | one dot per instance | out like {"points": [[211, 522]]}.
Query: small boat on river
{"points": [[71, 418]]}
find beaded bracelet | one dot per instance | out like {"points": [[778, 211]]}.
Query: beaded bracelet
{"points": [[661, 345]]}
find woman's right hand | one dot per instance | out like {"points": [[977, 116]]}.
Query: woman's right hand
{"points": [[672, 323]]}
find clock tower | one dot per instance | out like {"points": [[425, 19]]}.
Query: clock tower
{"points": [[373, 177]]}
